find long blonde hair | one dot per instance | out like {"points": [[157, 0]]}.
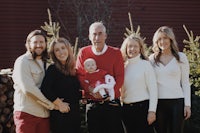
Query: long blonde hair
{"points": [[69, 67], [140, 42], [174, 46]]}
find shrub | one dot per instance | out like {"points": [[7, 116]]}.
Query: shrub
{"points": [[192, 50]]}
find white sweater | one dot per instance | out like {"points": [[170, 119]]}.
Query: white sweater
{"points": [[140, 83], [173, 79]]}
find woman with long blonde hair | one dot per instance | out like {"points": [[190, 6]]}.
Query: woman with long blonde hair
{"points": [[172, 72], [139, 91]]}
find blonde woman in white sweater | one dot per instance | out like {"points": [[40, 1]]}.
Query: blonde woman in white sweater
{"points": [[172, 72], [139, 92]]}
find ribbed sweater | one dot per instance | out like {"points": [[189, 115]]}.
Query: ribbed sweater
{"points": [[140, 82]]}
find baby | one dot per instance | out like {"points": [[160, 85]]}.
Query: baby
{"points": [[99, 79]]}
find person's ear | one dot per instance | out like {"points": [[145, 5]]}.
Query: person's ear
{"points": [[106, 35], [89, 37]]}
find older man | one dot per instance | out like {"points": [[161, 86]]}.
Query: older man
{"points": [[102, 116]]}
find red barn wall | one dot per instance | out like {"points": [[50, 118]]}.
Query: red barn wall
{"points": [[151, 14], [19, 17]]}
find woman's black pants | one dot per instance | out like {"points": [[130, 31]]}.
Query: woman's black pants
{"points": [[135, 117], [170, 116]]}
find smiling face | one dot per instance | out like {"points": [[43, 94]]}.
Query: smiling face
{"points": [[37, 45], [97, 36], [163, 42], [61, 52], [133, 48]]}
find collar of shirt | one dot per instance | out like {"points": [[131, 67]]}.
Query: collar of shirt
{"points": [[29, 55], [39, 62], [99, 53], [134, 59]]}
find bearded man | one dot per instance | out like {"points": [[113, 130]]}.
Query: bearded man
{"points": [[30, 116]]}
